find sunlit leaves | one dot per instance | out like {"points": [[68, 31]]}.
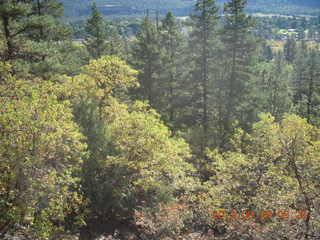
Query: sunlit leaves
{"points": [[103, 78], [277, 169], [41, 148], [145, 146]]}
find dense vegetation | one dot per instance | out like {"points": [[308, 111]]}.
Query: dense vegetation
{"points": [[207, 128], [76, 8]]}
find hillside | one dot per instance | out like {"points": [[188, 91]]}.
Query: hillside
{"points": [[182, 7], [133, 127]]}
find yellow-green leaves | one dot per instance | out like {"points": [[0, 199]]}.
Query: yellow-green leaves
{"points": [[110, 72], [41, 149], [104, 76], [277, 170], [145, 146], [133, 157]]}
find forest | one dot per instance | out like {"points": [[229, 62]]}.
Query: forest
{"points": [[78, 8], [158, 128]]}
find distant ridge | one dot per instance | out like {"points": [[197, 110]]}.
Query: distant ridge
{"points": [[76, 8]]}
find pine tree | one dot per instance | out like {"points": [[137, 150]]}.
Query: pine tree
{"points": [[49, 28], [204, 23], [33, 32], [267, 51], [290, 50], [239, 47], [146, 59], [96, 40], [275, 87], [12, 14], [49, 35], [115, 43], [307, 85], [171, 47], [35, 20], [313, 86], [300, 71]]}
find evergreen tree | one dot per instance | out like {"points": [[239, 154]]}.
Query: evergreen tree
{"points": [[49, 35], [115, 43], [290, 50], [12, 15], [33, 32], [204, 23], [313, 81], [132, 154], [96, 40], [267, 51], [35, 20], [239, 47], [275, 87], [307, 85], [146, 59], [47, 14], [171, 47], [300, 71]]}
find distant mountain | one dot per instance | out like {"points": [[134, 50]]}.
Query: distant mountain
{"points": [[75, 8], [291, 7], [126, 7]]}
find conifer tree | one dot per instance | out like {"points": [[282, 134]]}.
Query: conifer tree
{"points": [[307, 84], [96, 40], [115, 43], [12, 13], [49, 35], [171, 57], [35, 20], [300, 71], [267, 51], [47, 14], [102, 38], [313, 80], [239, 46], [290, 50], [33, 32], [275, 87], [204, 27], [146, 59]]}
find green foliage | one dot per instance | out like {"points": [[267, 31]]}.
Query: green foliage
{"points": [[147, 149], [275, 87], [267, 51], [110, 73], [105, 77], [146, 59], [306, 82], [236, 83], [85, 152], [290, 49], [172, 44], [142, 158], [204, 23], [41, 152], [279, 163], [99, 41], [132, 153], [78, 8], [35, 41], [96, 30]]}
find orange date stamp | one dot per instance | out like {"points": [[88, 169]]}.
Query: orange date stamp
{"points": [[262, 215]]}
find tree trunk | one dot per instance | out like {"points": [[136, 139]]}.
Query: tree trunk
{"points": [[8, 40]]}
